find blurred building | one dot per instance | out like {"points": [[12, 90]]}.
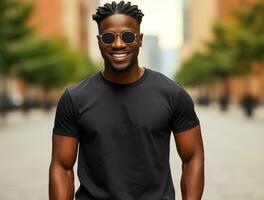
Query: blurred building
{"points": [[169, 61], [185, 13], [199, 17], [150, 53], [64, 18]]}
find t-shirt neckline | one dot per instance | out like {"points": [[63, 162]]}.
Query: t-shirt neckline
{"points": [[125, 85]]}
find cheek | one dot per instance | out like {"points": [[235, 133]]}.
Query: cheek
{"points": [[134, 54], [103, 49]]}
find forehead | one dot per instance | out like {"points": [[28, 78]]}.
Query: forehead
{"points": [[119, 23]]}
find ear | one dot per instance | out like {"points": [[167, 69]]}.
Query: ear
{"points": [[140, 40]]}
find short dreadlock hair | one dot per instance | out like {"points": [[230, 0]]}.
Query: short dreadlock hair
{"points": [[118, 8]]}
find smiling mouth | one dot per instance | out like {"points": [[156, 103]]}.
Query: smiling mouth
{"points": [[119, 55]]}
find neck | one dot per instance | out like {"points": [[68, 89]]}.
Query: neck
{"points": [[123, 78]]}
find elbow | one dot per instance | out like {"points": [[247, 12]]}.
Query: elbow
{"points": [[58, 168], [197, 158]]}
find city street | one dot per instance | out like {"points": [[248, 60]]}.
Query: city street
{"points": [[233, 149]]}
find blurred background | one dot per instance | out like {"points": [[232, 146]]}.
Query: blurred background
{"points": [[215, 48]]}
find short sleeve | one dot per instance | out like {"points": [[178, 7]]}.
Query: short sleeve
{"points": [[184, 116], [65, 118]]}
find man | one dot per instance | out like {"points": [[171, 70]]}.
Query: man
{"points": [[121, 119]]}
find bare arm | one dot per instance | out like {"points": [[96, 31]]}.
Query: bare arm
{"points": [[61, 177], [190, 148]]}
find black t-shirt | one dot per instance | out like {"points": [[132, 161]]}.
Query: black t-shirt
{"points": [[124, 135]]}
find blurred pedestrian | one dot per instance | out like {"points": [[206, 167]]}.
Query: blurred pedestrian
{"points": [[249, 103], [224, 102], [121, 119]]}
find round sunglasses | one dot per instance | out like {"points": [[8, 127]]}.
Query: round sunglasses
{"points": [[108, 38]]}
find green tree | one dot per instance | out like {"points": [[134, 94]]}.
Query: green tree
{"points": [[49, 63], [222, 58], [52, 63], [236, 47], [222, 49], [197, 70], [251, 34], [13, 18]]}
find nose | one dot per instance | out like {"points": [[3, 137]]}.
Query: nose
{"points": [[118, 43]]}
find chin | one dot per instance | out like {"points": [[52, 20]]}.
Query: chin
{"points": [[121, 69]]}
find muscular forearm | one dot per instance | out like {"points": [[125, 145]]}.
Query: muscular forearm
{"points": [[61, 183], [192, 180]]}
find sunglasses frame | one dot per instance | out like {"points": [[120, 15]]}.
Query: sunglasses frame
{"points": [[116, 34]]}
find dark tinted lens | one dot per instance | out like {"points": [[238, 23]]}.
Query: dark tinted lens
{"points": [[108, 38], [128, 37]]}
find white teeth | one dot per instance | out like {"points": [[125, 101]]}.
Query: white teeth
{"points": [[119, 55]]}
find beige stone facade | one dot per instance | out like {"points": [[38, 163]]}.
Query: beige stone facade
{"points": [[201, 17], [67, 18]]}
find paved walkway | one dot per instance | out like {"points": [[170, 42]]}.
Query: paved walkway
{"points": [[233, 150], [233, 145]]}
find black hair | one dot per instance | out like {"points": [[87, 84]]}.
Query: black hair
{"points": [[117, 8]]}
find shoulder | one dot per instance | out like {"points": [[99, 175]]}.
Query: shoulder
{"points": [[177, 94], [76, 93], [166, 83], [78, 89]]}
